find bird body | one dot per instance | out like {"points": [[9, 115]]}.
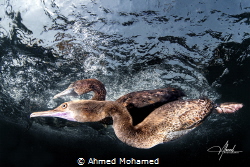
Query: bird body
{"points": [[158, 127]]}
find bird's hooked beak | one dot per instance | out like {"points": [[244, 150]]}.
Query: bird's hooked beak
{"points": [[54, 113], [69, 91]]}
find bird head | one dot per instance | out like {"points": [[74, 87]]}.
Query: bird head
{"points": [[77, 110]]}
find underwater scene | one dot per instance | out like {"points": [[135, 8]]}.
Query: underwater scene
{"points": [[201, 48]]}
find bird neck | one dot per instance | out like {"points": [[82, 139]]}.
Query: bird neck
{"points": [[122, 124], [99, 92]]}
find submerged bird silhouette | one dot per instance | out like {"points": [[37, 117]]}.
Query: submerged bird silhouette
{"points": [[165, 123], [139, 104]]}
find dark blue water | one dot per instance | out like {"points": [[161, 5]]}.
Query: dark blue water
{"points": [[199, 46]]}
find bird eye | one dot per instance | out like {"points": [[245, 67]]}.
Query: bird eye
{"points": [[64, 105]]}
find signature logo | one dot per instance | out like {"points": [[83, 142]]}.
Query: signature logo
{"points": [[223, 150]]}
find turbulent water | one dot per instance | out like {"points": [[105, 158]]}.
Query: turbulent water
{"points": [[201, 47]]}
